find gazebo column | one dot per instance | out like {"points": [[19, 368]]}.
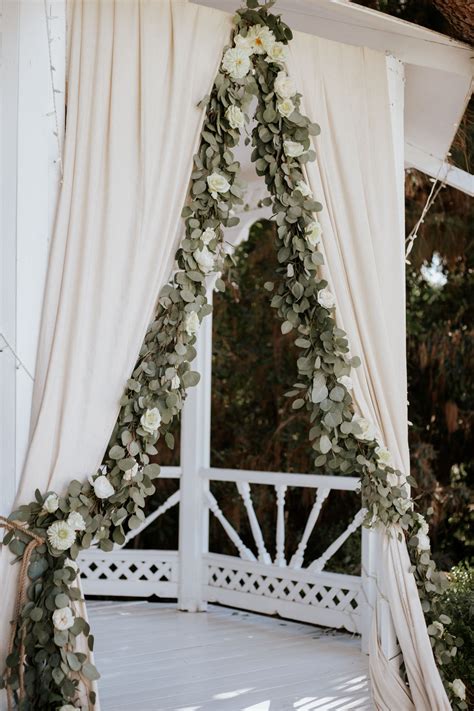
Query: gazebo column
{"points": [[195, 455]]}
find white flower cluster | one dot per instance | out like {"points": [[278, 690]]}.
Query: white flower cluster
{"points": [[258, 40]]}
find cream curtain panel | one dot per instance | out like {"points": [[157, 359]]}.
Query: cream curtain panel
{"points": [[136, 72], [345, 89]]}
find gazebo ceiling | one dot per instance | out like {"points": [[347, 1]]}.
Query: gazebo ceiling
{"points": [[438, 72]]}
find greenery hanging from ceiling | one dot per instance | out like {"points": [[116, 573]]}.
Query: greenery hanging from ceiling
{"points": [[44, 666]]}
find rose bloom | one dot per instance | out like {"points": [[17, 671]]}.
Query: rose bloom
{"points": [[76, 521], [303, 188], [67, 707], [459, 689], [63, 619], [326, 299], [285, 107], [243, 43], [367, 429], [293, 149], [423, 542], [313, 233], [191, 323], [208, 235], [151, 420], [278, 53], [384, 457], [346, 381], [217, 184], [284, 86], [235, 116], [51, 503], [260, 39], [103, 489], [205, 259], [61, 535], [236, 63]]}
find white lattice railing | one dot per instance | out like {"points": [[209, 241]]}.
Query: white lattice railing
{"points": [[253, 580]]}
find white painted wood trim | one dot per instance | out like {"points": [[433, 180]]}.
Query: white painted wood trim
{"points": [[29, 192], [9, 18], [438, 169], [310, 481]]}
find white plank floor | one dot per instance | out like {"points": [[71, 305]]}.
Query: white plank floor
{"points": [[154, 658]]}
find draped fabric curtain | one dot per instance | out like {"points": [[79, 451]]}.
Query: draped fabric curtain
{"points": [[345, 90], [136, 72]]}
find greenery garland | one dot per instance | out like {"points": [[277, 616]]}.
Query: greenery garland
{"points": [[112, 502]]}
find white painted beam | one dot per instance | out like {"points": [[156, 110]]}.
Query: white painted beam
{"points": [[438, 169]]}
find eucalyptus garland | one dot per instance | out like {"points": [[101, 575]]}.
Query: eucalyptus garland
{"points": [[101, 510]]}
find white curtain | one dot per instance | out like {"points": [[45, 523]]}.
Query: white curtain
{"points": [[345, 90], [136, 72]]}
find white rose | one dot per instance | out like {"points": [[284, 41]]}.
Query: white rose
{"points": [[303, 188], [367, 430], [346, 381], [285, 107], [103, 489], [243, 43], [326, 299], [60, 535], [423, 525], [63, 619], [208, 235], [384, 457], [175, 382], [278, 53], [439, 627], [459, 689], [67, 707], [313, 233], [191, 323], [290, 270], [284, 86], [235, 117], [293, 149], [205, 259], [217, 184], [51, 503], [423, 542], [76, 521], [236, 62], [151, 420], [261, 39], [131, 473]]}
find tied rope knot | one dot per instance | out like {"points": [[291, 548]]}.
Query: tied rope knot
{"points": [[19, 602]]}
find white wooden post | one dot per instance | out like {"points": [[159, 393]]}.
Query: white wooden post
{"points": [[195, 455], [30, 177]]}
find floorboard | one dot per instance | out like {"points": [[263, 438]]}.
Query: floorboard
{"points": [[154, 658]]}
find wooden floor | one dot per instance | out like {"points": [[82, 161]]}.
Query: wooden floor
{"points": [[154, 658]]}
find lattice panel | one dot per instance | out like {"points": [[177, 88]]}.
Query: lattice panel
{"points": [[128, 572], [327, 599], [327, 596]]}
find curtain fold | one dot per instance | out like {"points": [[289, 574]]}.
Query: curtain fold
{"points": [[345, 89], [136, 72]]}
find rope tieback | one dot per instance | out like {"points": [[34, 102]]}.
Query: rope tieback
{"points": [[19, 602]]}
